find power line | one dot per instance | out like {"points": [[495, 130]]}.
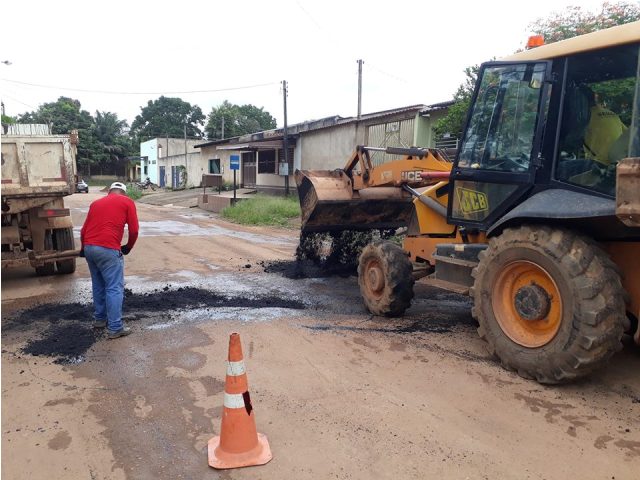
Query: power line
{"points": [[309, 15], [111, 92], [16, 100], [391, 75]]}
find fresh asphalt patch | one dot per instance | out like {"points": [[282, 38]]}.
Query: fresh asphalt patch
{"points": [[65, 330]]}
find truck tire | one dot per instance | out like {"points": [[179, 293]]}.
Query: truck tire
{"points": [[63, 239], [47, 268], [385, 279], [549, 302]]}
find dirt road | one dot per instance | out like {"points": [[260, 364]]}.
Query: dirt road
{"points": [[339, 393]]}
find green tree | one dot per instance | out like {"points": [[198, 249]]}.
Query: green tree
{"points": [[574, 21], [453, 122], [112, 134], [166, 117], [238, 120], [65, 115], [8, 120], [571, 22]]}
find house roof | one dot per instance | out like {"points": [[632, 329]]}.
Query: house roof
{"points": [[260, 145], [435, 107], [294, 130]]}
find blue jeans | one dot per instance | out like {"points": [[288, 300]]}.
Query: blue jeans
{"points": [[107, 278]]}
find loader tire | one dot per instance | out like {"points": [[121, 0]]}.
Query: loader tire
{"points": [[549, 302], [63, 239], [385, 279], [47, 268]]}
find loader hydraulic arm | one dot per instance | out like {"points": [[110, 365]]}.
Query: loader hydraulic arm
{"points": [[363, 195], [419, 167]]}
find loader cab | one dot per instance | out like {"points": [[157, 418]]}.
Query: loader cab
{"points": [[560, 123]]}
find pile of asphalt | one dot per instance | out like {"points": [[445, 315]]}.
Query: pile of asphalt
{"points": [[295, 269], [67, 342], [326, 254], [66, 332]]}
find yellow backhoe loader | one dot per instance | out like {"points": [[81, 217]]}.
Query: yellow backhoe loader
{"points": [[537, 218]]}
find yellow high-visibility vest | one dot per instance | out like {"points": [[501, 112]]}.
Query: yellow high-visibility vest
{"points": [[604, 128]]}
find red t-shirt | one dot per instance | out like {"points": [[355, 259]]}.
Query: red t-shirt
{"points": [[105, 222]]}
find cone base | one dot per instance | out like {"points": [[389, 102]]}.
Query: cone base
{"points": [[220, 460]]}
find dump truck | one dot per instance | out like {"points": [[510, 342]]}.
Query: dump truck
{"points": [[38, 171], [537, 217]]}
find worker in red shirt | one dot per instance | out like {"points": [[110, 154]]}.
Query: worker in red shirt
{"points": [[101, 236]]}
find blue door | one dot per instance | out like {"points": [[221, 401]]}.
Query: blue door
{"points": [[163, 181]]}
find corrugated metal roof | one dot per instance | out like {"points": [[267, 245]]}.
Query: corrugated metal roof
{"points": [[436, 107], [327, 122], [265, 145]]}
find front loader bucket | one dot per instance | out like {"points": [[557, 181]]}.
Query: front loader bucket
{"points": [[329, 203]]}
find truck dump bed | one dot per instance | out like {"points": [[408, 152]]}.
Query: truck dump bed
{"points": [[38, 165]]}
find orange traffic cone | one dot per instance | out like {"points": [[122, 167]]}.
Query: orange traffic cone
{"points": [[239, 443]]}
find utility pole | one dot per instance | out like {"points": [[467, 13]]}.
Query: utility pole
{"points": [[285, 139], [222, 137], [186, 164], [360, 62]]}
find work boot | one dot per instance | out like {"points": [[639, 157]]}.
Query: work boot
{"points": [[99, 324], [120, 333]]}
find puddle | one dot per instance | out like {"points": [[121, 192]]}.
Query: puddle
{"points": [[173, 228], [224, 313], [186, 274]]}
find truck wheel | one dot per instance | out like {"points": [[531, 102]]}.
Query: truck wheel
{"points": [[550, 303], [64, 241], [385, 279], [47, 268]]}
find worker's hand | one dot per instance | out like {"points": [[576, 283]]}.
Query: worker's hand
{"points": [[81, 252], [125, 250]]}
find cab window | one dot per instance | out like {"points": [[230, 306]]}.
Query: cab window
{"points": [[503, 121], [597, 112]]}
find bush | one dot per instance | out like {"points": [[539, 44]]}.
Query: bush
{"points": [[133, 192], [263, 210]]}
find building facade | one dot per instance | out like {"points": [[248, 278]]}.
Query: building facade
{"points": [[323, 144], [171, 162]]}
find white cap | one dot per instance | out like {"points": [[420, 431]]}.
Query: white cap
{"points": [[119, 185]]}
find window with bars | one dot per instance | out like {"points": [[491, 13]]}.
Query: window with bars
{"points": [[267, 161]]}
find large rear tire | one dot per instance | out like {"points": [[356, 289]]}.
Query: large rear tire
{"points": [[63, 239], [385, 279], [549, 302]]}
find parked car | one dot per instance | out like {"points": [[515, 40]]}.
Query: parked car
{"points": [[82, 186]]}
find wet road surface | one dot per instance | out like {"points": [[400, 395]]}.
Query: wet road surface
{"points": [[340, 393]]}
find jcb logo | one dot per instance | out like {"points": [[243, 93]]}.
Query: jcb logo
{"points": [[472, 201], [412, 176]]}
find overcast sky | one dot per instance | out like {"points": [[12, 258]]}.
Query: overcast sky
{"points": [[414, 51]]}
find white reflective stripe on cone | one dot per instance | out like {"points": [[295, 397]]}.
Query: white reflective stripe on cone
{"points": [[235, 369], [233, 400]]}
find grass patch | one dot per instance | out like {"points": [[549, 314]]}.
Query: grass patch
{"points": [[133, 193], [264, 210]]}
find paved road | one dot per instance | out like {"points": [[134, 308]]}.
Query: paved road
{"points": [[340, 394]]}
